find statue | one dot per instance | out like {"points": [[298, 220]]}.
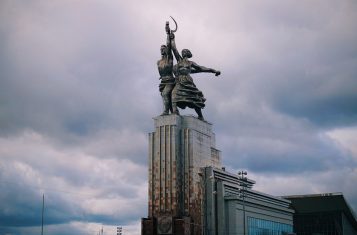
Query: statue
{"points": [[165, 67], [184, 92]]}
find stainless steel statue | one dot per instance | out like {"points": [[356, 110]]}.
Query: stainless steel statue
{"points": [[165, 66], [180, 91]]}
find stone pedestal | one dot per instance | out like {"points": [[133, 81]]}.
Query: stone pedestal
{"points": [[178, 149]]}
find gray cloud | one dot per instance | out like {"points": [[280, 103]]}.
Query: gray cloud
{"points": [[76, 185], [270, 142], [79, 86]]}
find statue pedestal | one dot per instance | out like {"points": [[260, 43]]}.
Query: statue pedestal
{"points": [[178, 149]]}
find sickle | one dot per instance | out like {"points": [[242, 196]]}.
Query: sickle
{"points": [[175, 24]]}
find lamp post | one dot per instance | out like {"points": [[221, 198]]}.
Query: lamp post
{"points": [[242, 191]]}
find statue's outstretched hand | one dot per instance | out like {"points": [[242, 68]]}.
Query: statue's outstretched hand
{"points": [[217, 73]]}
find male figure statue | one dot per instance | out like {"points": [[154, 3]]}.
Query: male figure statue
{"points": [[165, 67]]}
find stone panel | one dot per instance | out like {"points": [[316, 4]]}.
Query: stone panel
{"points": [[178, 150]]}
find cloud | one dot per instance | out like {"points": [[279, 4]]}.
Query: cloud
{"points": [[79, 88], [346, 138], [271, 142], [310, 183], [77, 186]]}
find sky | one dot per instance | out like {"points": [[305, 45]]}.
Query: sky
{"points": [[79, 90]]}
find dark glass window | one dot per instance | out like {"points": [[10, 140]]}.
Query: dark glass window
{"points": [[267, 227], [318, 223]]}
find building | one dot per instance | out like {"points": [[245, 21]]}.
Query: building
{"points": [[323, 214], [190, 194], [233, 207], [178, 148]]}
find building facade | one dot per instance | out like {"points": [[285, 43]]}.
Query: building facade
{"points": [[231, 208], [178, 149], [323, 214], [190, 194]]}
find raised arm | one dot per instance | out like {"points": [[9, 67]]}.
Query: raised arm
{"points": [[168, 41], [202, 69], [169, 51], [173, 47]]}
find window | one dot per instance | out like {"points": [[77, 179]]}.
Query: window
{"points": [[267, 227]]}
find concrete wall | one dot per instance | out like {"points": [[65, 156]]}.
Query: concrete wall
{"points": [[226, 211], [179, 148]]}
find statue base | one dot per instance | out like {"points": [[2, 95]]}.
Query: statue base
{"points": [[172, 226], [179, 148]]}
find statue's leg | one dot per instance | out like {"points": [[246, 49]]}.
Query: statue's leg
{"points": [[174, 105], [199, 113], [166, 98], [170, 87], [175, 109]]}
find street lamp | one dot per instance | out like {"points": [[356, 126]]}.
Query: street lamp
{"points": [[242, 192]]}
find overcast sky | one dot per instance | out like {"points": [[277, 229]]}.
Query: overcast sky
{"points": [[79, 89]]}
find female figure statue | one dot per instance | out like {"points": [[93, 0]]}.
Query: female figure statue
{"points": [[165, 67], [185, 93]]}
